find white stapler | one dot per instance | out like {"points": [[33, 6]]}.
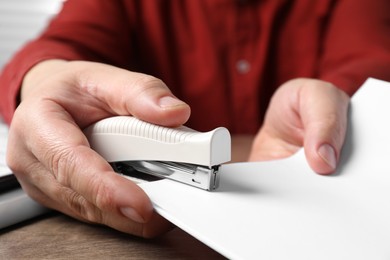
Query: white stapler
{"points": [[180, 154]]}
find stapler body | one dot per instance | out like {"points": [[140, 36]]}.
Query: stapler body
{"points": [[180, 154]]}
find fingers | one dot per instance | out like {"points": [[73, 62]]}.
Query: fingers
{"points": [[103, 90], [73, 204], [57, 168], [66, 200], [52, 158], [304, 113], [125, 92]]}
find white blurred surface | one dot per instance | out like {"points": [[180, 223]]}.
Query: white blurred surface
{"points": [[4, 170], [22, 20]]}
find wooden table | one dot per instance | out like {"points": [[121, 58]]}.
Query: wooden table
{"points": [[56, 236]]}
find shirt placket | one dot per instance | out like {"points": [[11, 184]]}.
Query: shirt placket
{"points": [[243, 70]]}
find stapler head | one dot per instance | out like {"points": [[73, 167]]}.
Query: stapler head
{"points": [[181, 154]]}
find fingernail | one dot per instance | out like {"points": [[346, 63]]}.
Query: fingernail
{"points": [[132, 214], [168, 102], [327, 153]]}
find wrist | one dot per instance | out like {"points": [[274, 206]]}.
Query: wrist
{"points": [[38, 73]]}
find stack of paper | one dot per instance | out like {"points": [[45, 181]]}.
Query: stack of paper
{"points": [[283, 210]]}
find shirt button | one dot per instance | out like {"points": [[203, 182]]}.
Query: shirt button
{"points": [[243, 66]]}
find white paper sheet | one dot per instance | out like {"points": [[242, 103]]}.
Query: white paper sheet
{"points": [[283, 210], [4, 170]]}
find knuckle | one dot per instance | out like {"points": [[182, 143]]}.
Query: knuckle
{"points": [[331, 119], [146, 83], [148, 80], [328, 123], [81, 207], [104, 199], [63, 166], [331, 128], [61, 163]]}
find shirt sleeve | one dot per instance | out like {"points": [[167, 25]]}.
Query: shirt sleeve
{"points": [[83, 30], [357, 43]]}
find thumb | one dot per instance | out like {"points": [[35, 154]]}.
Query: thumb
{"points": [[324, 116], [126, 92]]}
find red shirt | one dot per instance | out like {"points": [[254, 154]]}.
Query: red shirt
{"points": [[223, 57]]}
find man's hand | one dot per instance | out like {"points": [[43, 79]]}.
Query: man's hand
{"points": [[51, 157], [304, 113]]}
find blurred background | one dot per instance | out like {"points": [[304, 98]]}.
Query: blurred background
{"points": [[22, 20]]}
